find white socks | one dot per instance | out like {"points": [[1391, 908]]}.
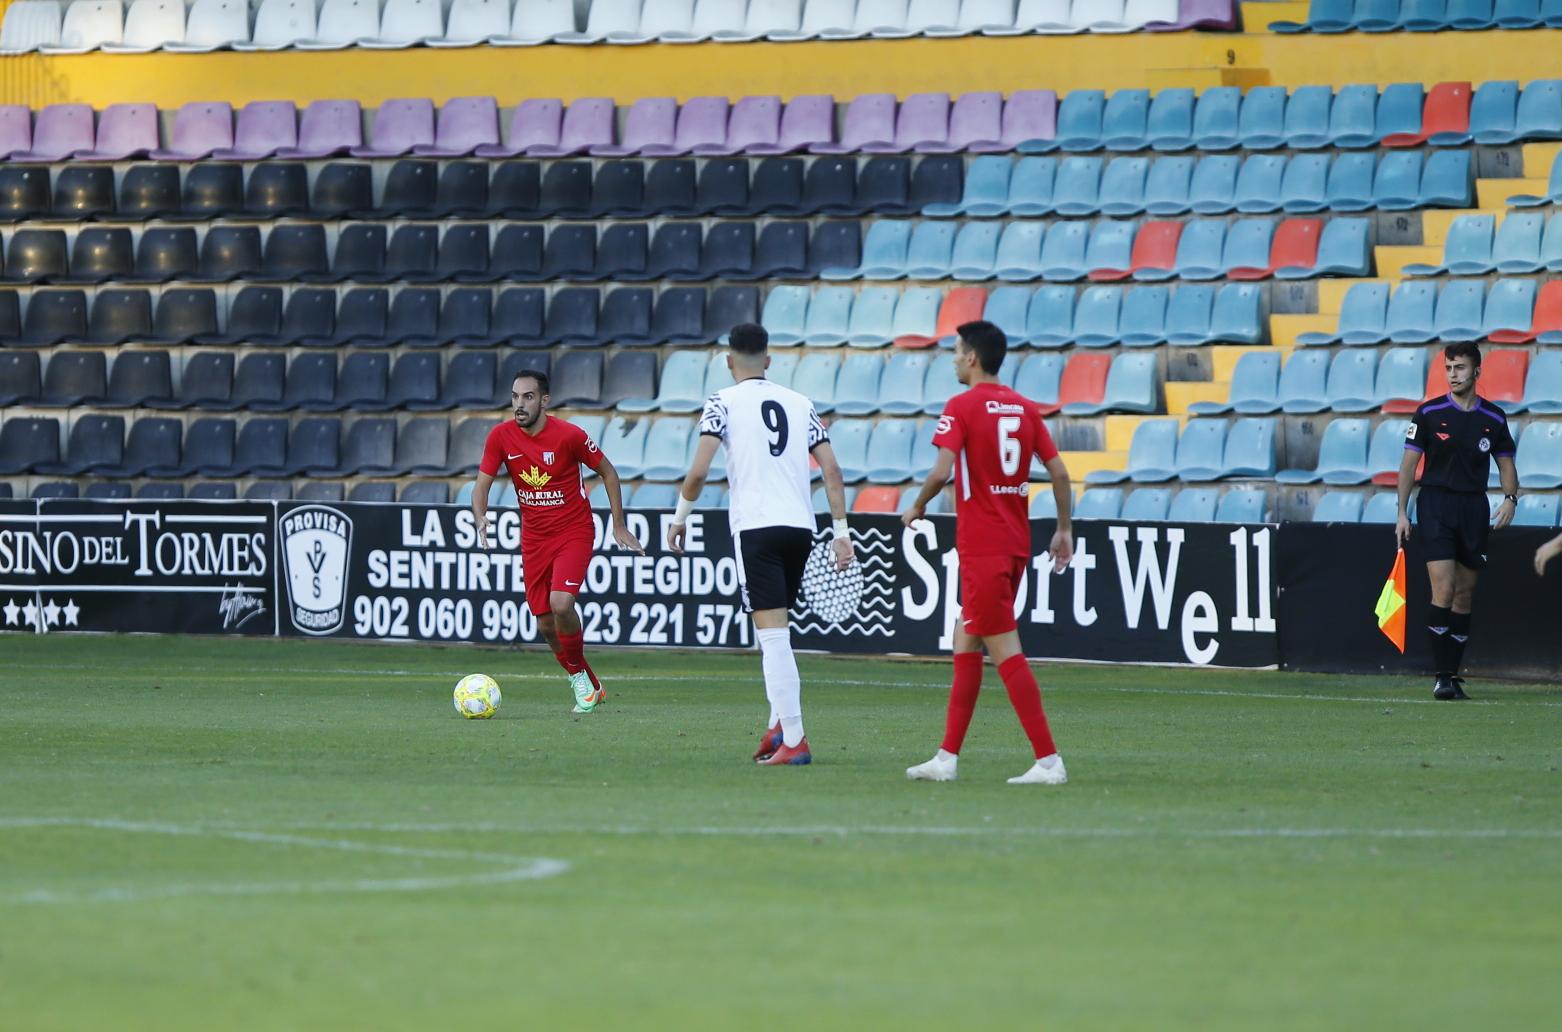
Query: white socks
{"points": [[783, 684]]}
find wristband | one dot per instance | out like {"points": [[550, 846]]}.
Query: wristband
{"points": [[1511, 498], [840, 528], [685, 506]]}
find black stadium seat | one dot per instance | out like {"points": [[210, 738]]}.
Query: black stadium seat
{"points": [[372, 492], [207, 382], [359, 256], [573, 316], [149, 192], [782, 251], [229, 253], [413, 254], [517, 254], [165, 253], [514, 190], [74, 378], [276, 189], [466, 444], [35, 256], [110, 489], [727, 307], [834, 245], [100, 254], [119, 316], [361, 315], [54, 317], [185, 315], [565, 192], [422, 445], [671, 188], [618, 191], [139, 377], [220, 491], [22, 381], [728, 251], [311, 385], [260, 380], [342, 190], [676, 252], [28, 441], [722, 188], [255, 317], [414, 317], [10, 317], [24, 192], [577, 378], [96, 442], [154, 444], [83, 192], [679, 316], [414, 383], [310, 317], [469, 379], [57, 489], [410, 190], [463, 254], [321, 491], [884, 187], [463, 190], [262, 445], [777, 187], [370, 448], [623, 252], [630, 374], [314, 446], [830, 187], [425, 492], [209, 446], [518, 317], [161, 490], [626, 317], [363, 380], [937, 180], [293, 253], [465, 316], [570, 253], [210, 191], [268, 491]]}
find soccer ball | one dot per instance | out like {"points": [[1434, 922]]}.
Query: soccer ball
{"points": [[477, 696]]}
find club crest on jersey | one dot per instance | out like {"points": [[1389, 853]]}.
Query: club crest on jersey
{"points": [[535, 478], [1485, 444], [547, 458]]}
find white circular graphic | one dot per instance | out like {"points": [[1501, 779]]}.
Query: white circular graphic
{"points": [[833, 595], [1485, 444]]}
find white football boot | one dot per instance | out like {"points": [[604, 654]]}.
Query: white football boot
{"points": [[940, 768], [1045, 771]]}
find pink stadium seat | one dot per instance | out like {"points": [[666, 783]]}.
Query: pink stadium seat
{"points": [[326, 129], [808, 121], [124, 131], [199, 129], [61, 130], [533, 123], [869, 122]]}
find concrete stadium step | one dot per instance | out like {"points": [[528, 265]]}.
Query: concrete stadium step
{"points": [[1224, 358], [1331, 292], [1081, 463], [1391, 261], [1180, 396], [1494, 193], [1284, 329]]}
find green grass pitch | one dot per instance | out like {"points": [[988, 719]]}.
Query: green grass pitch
{"points": [[219, 834]]}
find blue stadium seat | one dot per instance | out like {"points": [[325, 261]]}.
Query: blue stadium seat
{"points": [[829, 316], [1259, 188], [1096, 316], [849, 438], [1212, 191], [1262, 122], [884, 252], [654, 496], [930, 252], [1551, 246], [1124, 121], [1361, 319], [916, 316], [1152, 455], [1342, 456], [889, 451], [1038, 378], [1306, 124], [975, 251], [1342, 251], [1446, 180], [1044, 505], [1493, 111], [1006, 307], [1079, 121], [985, 192], [1305, 186], [1250, 449], [1247, 244], [1510, 308], [1352, 116], [1169, 125], [857, 386], [1539, 112], [1201, 450], [1236, 316], [1188, 314], [1109, 254], [1543, 383], [682, 385], [1241, 505], [1143, 319], [903, 380], [1467, 251], [1460, 311], [1254, 387], [1398, 112], [1098, 503], [1516, 245], [1338, 507], [873, 317], [1216, 119], [1410, 317], [1402, 376], [1352, 385], [1122, 186], [667, 448], [1167, 186], [1031, 186], [941, 384], [1077, 187], [1304, 382], [816, 376], [1018, 258], [1049, 321], [1194, 505], [1146, 504], [1063, 252], [1537, 511], [1387, 448], [1200, 250], [1382, 507]]}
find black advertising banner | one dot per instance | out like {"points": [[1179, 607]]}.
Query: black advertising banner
{"points": [[1150, 592], [166, 567], [1333, 574], [1199, 594]]}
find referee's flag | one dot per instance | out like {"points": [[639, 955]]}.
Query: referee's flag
{"points": [[1391, 604]]}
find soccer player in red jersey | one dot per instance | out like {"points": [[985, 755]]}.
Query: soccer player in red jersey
{"points": [[986, 438], [543, 455]]}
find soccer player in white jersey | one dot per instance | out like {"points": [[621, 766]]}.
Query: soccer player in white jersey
{"points": [[769, 432]]}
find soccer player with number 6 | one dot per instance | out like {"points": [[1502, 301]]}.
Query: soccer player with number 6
{"points": [[986, 439]]}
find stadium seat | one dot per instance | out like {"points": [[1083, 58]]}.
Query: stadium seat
{"points": [[95, 443], [61, 129], [1098, 503], [28, 442], [30, 24], [1303, 385], [53, 317], [87, 25], [1151, 455], [19, 377], [1542, 384], [1386, 449], [1539, 456], [1537, 511], [1200, 250], [199, 129], [1049, 320], [1352, 382], [1083, 383], [815, 378], [1241, 505], [1146, 504], [1194, 505], [279, 24], [74, 378], [888, 459], [139, 378], [98, 255], [1342, 456], [327, 128]]}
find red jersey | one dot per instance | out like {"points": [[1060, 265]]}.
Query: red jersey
{"points": [[993, 431], [545, 468]]}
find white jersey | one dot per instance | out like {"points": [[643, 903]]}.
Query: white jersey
{"points": [[768, 431]]}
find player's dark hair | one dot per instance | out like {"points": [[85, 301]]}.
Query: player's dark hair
{"points": [[1464, 349], [989, 343], [749, 339], [533, 374]]}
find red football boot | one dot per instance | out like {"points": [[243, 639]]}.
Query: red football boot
{"points": [[769, 742], [789, 756]]}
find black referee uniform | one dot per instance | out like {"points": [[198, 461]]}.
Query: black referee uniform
{"points": [[1452, 514]]}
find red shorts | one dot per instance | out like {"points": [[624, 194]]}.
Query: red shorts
{"points": [[988, 587], [554, 566]]}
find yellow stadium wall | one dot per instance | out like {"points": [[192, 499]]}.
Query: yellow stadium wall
{"points": [[787, 69]]}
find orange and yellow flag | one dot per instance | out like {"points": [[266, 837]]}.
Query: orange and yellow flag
{"points": [[1391, 604]]}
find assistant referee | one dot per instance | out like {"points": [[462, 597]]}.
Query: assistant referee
{"points": [[1458, 435]]}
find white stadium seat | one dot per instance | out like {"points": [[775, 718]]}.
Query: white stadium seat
{"points": [[773, 19], [29, 24], [538, 21], [150, 25], [87, 26], [665, 20], [473, 22], [1140, 13], [829, 19], [1050, 16], [342, 23], [1097, 16], [407, 23], [934, 18], [615, 19], [989, 16], [712, 17], [281, 23], [213, 25]]}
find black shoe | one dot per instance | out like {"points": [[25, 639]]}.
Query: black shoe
{"points": [[1459, 688], [1445, 690]]}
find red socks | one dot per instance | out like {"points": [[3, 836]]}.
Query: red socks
{"points": [[962, 699], [571, 654], [1025, 697]]}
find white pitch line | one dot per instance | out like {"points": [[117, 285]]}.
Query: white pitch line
{"points": [[515, 869], [950, 831]]}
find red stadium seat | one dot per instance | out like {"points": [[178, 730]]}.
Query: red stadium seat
{"points": [[877, 499], [1548, 311], [1503, 372], [961, 305], [1155, 249], [1084, 380], [1295, 247], [1445, 119]]}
